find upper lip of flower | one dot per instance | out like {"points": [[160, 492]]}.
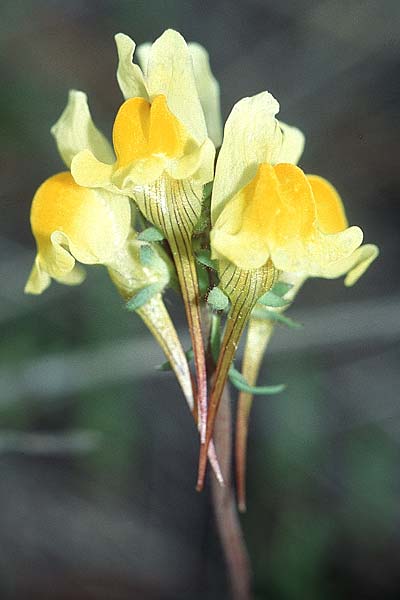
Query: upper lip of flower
{"points": [[163, 108]]}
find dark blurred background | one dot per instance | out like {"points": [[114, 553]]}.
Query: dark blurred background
{"points": [[97, 448]]}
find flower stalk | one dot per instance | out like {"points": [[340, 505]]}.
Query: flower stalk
{"points": [[243, 288], [157, 319], [226, 516], [258, 336], [175, 207]]}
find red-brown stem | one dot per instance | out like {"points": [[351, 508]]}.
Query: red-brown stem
{"points": [[174, 206], [156, 317], [244, 288], [233, 331], [227, 519], [187, 275]]}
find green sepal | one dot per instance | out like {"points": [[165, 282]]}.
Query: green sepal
{"points": [[143, 296], [207, 190], [151, 234], [265, 314], [217, 299], [281, 288], [166, 366], [215, 336], [148, 256], [241, 384], [203, 223], [204, 258], [273, 300]]}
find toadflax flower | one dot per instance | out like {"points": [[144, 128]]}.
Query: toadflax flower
{"points": [[71, 223], [267, 214], [331, 219], [272, 209], [164, 157]]}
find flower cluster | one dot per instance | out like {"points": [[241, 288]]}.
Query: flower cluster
{"points": [[157, 210]]}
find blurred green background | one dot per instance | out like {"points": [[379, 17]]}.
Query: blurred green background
{"points": [[97, 448]]}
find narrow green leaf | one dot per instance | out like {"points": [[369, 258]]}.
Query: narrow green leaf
{"points": [[281, 288], [204, 258], [166, 366], [264, 313], [241, 384], [215, 336], [207, 190], [151, 234], [271, 299], [143, 296], [217, 299]]}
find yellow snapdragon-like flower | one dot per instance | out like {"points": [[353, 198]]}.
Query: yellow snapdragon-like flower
{"points": [[160, 128], [71, 223], [268, 215], [163, 154], [273, 210]]}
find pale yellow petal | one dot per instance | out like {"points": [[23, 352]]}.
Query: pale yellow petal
{"points": [[140, 172], [100, 228], [292, 144], [55, 256], [251, 137], [58, 261], [38, 280], [355, 265], [318, 256], [74, 277], [362, 259], [143, 53], [208, 89], [90, 172], [130, 77], [275, 216], [170, 73], [72, 222], [75, 131], [197, 165]]}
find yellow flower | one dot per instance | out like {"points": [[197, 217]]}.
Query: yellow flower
{"points": [[163, 153], [269, 217], [271, 209], [164, 156], [160, 128], [299, 221], [71, 223], [206, 84]]}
